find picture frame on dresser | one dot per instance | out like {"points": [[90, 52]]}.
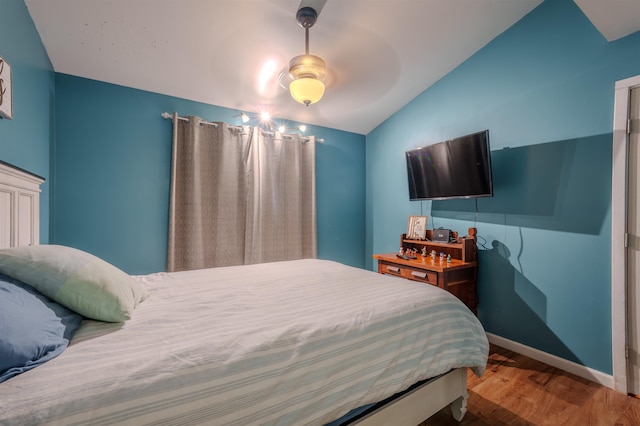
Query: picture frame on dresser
{"points": [[6, 110], [417, 227]]}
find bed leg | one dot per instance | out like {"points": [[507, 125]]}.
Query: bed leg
{"points": [[459, 407]]}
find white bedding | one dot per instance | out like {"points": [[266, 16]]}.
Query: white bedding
{"points": [[283, 343]]}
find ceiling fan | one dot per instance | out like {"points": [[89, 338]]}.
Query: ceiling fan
{"points": [[306, 73]]}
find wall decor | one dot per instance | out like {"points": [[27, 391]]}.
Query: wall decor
{"points": [[5, 89], [417, 229]]}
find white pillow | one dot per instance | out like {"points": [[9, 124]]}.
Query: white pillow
{"points": [[78, 280]]}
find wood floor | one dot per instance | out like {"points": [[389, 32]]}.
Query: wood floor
{"points": [[516, 390]]}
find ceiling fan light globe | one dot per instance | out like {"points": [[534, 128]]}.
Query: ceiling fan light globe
{"points": [[306, 90]]}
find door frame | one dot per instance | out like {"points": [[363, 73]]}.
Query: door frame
{"points": [[618, 230]]}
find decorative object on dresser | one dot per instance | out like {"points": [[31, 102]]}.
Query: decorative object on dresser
{"points": [[19, 206], [5, 89], [417, 228], [442, 235], [452, 266]]}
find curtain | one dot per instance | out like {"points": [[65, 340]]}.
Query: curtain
{"points": [[281, 204], [239, 196]]}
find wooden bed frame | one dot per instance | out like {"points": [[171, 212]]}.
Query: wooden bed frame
{"points": [[19, 226]]}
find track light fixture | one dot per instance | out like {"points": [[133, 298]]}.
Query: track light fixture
{"points": [[265, 122]]}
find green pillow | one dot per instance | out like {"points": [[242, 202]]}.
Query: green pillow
{"points": [[78, 280]]}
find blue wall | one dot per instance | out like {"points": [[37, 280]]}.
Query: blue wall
{"points": [[25, 140], [113, 156], [545, 90]]}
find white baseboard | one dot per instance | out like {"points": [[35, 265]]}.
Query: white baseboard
{"points": [[554, 361]]}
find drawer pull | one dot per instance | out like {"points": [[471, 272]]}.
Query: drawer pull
{"points": [[393, 268], [419, 274]]}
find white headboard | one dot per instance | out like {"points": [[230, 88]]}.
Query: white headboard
{"points": [[19, 206]]}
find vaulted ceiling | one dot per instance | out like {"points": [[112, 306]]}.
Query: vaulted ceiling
{"points": [[380, 53]]}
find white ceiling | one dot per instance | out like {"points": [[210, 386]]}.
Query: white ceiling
{"points": [[380, 53]]}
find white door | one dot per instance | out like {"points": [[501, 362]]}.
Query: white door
{"points": [[633, 251]]}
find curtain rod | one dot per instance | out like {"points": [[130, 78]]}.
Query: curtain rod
{"points": [[169, 116]]}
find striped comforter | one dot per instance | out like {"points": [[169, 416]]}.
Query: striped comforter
{"points": [[284, 343]]}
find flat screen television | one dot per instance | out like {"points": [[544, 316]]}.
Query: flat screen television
{"points": [[457, 168]]}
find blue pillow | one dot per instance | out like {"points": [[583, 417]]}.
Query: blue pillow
{"points": [[33, 328]]}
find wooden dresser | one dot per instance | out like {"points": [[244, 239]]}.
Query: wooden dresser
{"points": [[458, 276]]}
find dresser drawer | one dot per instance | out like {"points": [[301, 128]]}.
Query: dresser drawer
{"points": [[420, 275], [385, 268], [407, 272]]}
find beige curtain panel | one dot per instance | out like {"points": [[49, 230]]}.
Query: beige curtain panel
{"points": [[239, 196]]}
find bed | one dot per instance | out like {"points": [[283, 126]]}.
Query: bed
{"points": [[299, 342], [305, 342]]}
